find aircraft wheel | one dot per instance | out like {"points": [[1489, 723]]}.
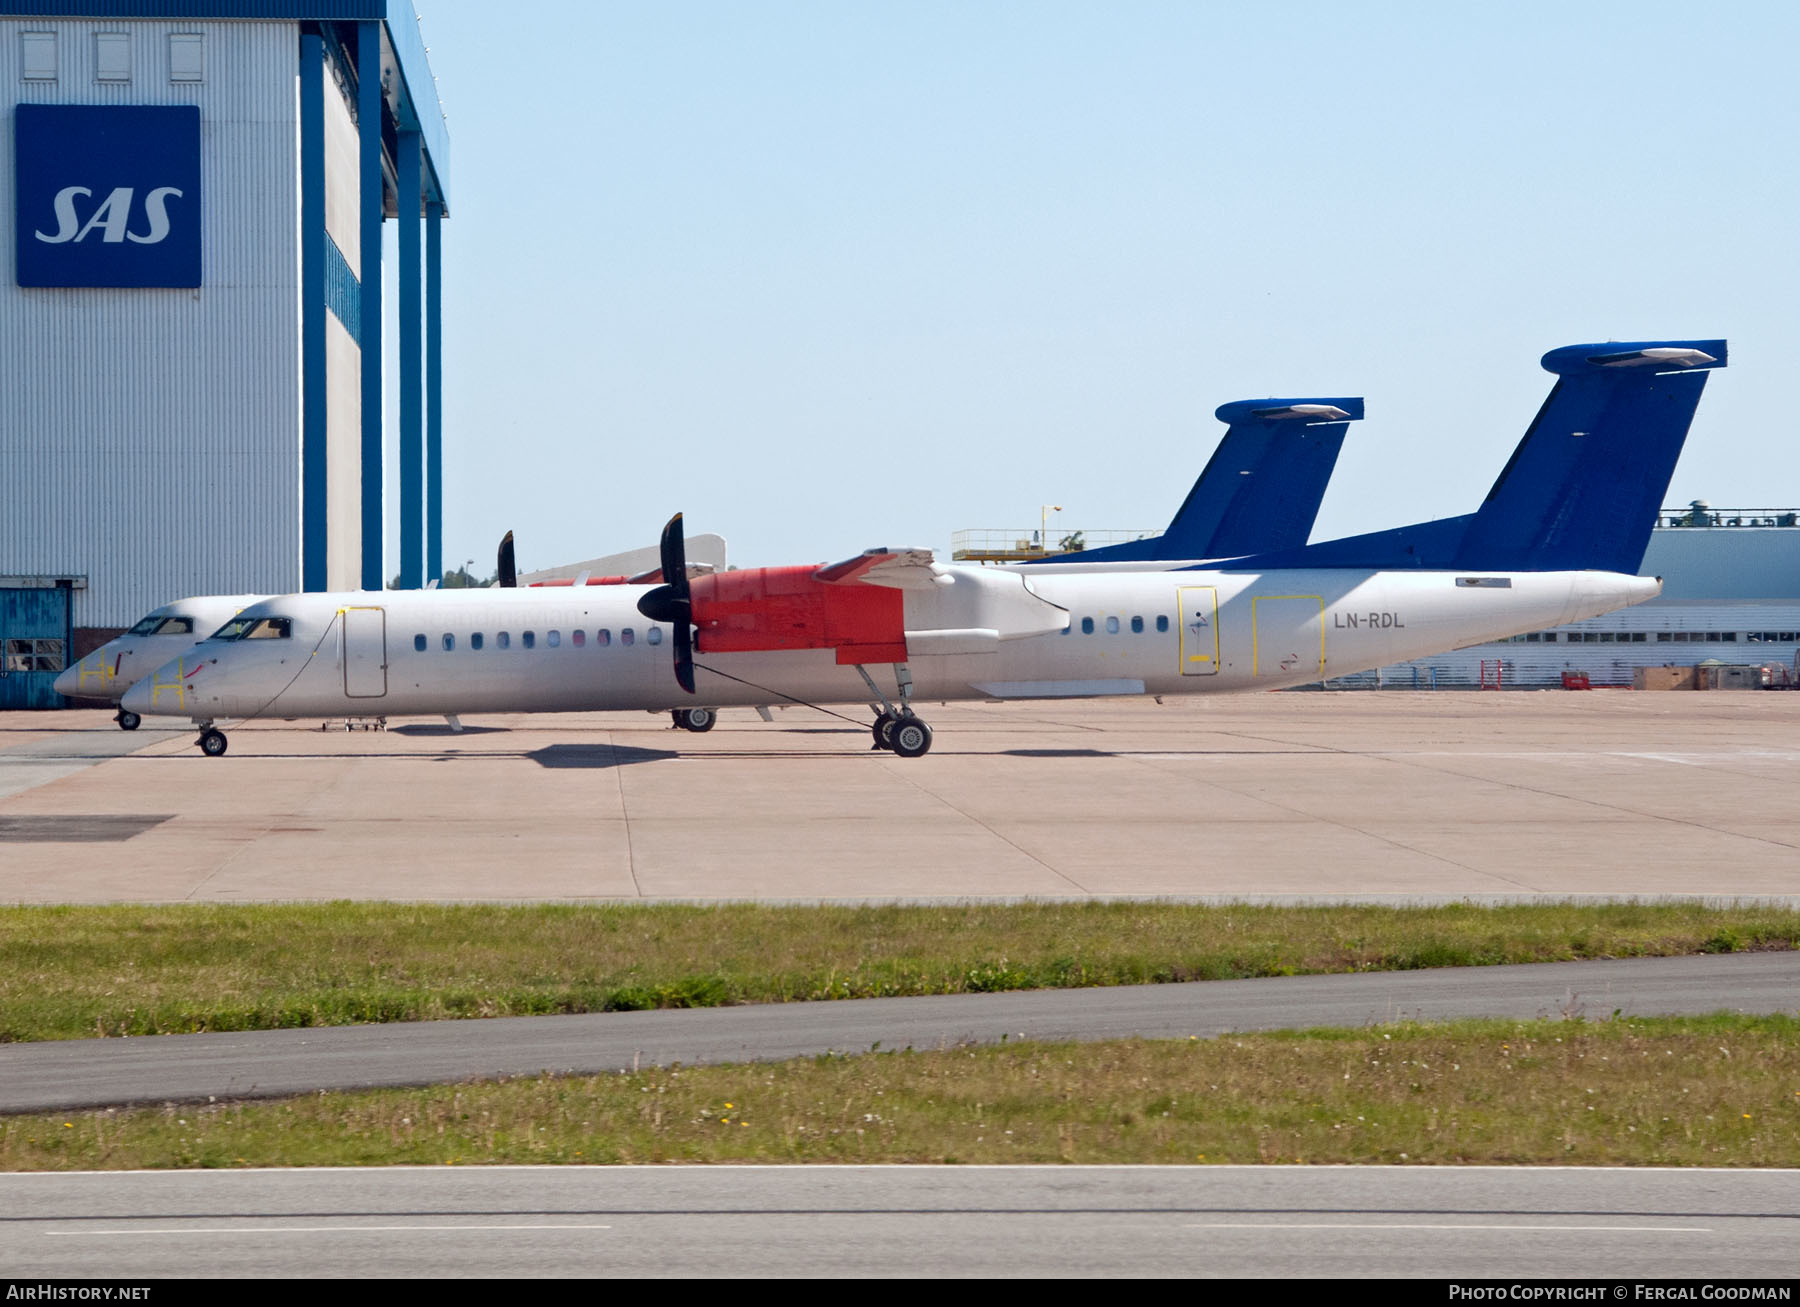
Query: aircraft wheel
{"points": [[883, 731], [697, 720], [212, 743], [912, 738], [128, 721]]}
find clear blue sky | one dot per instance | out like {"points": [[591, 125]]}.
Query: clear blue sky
{"points": [[832, 275]]}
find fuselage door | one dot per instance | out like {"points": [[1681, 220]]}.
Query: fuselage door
{"points": [[1199, 629], [1290, 635], [365, 653]]}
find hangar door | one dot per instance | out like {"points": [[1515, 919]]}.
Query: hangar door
{"points": [[365, 653], [34, 644]]}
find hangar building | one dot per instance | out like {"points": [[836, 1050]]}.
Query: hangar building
{"points": [[192, 323]]}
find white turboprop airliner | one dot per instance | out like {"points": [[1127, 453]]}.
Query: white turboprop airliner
{"points": [[1557, 540], [168, 632]]}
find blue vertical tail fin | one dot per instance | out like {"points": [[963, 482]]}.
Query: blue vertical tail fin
{"points": [[1583, 487], [1259, 491]]}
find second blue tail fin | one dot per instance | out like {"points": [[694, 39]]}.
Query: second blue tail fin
{"points": [[1259, 491]]}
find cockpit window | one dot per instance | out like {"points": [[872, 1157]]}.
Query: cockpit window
{"points": [[159, 625], [255, 628]]}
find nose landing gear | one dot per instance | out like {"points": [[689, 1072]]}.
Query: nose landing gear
{"points": [[697, 720], [212, 741], [128, 721]]}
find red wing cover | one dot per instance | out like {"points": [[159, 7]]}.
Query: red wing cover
{"points": [[768, 608]]}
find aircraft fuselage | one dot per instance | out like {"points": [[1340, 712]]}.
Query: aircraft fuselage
{"points": [[589, 648]]}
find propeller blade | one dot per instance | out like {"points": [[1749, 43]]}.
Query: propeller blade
{"points": [[674, 555], [672, 601], [508, 568]]}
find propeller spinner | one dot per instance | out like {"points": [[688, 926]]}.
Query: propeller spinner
{"points": [[672, 601]]}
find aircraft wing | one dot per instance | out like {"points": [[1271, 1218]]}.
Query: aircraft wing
{"points": [[701, 550], [899, 569]]}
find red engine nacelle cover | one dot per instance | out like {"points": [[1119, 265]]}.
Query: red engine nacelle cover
{"points": [[765, 608]]}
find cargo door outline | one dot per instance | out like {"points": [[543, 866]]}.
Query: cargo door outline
{"points": [[1277, 652], [365, 653], [1199, 619]]}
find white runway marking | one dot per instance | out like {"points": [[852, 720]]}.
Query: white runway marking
{"points": [[1346, 1225], [314, 1229]]}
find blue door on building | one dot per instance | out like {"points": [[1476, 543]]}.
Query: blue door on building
{"points": [[34, 645]]}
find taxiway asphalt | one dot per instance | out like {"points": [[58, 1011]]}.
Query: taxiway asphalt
{"points": [[1374, 796], [87, 1073]]}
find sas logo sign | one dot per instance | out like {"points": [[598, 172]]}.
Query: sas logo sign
{"points": [[107, 195]]}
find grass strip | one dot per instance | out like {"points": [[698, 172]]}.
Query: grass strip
{"points": [[1712, 1091], [74, 971]]}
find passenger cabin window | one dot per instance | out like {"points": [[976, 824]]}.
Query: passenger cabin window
{"points": [[578, 638], [553, 638], [419, 643], [626, 636], [503, 640], [1137, 626], [1162, 623], [475, 641], [603, 637], [1087, 626], [529, 639], [449, 642], [1112, 626], [654, 635]]}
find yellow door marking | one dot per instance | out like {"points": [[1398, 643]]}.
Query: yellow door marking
{"points": [[1198, 613]]}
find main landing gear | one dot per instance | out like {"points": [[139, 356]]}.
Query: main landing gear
{"points": [[897, 730], [697, 720], [128, 721]]}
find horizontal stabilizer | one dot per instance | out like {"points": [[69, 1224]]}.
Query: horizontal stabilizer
{"points": [[1675, 356], [1290, 410]]}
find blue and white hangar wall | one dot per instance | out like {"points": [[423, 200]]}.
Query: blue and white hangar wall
{"points": [[192, 198]]}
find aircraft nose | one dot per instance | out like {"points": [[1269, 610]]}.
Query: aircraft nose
{"points": [[69, 683], [137, 698]]}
